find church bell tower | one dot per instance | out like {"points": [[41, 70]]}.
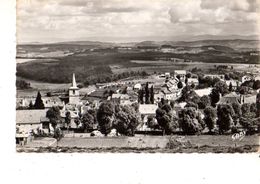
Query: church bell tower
{"points": [[74, 92]]}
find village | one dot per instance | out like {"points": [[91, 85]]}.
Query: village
{"points": [[171, 103]]}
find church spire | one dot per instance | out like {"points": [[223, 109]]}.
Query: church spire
{"points": [[74, 84]]}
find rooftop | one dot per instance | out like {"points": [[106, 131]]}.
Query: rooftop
{"points": [[30, 116], [147, 108]]}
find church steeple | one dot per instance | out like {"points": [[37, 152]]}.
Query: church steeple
{"points": [[74, 92], [74, 84]]}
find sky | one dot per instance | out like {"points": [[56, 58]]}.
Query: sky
{"points": [[133, 20]]}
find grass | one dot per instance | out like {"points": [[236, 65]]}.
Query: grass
{"points": [[154, 144]]}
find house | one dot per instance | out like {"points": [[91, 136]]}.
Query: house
{"points": [[74, 114], [235, 83], [193, 81], [29, 120], [249, 98], [47, 101], [246, 78], [181, 73], [137, 87], [202, 92], [221, 77], [147, 110], [21, 138], [229, 99]]}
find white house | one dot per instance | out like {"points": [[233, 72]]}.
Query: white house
{"points": [[221, 77], [181, 73], [147, 110], [246, 78], [193, 81]]}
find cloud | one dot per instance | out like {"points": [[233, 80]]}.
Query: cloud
{"points": [[39, 20]]}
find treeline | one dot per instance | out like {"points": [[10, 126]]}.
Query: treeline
{"points": [[113, 77], [146, 95], [22, 84]]}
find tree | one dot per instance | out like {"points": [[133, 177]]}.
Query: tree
{"points": [[67, 119], [31, 106], [151, 95], [166, 120], [126, 120], [221, 87], [192, 104], [105, 117], [190, 121], [258, 104], [180, 85], [248, 122], [54, 116], [245, 108], [147, 94], [204, 102], [89, 120], [225, 121], [256, 85], [230, 88], [214, 97], [151, 123], [38, 102], [237, 112], [210, 117], [141, 96], [188, 75]]}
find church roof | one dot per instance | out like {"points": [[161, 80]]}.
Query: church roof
{"points": [[74, 84]]}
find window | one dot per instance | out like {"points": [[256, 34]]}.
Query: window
{"points": [[73, 92]]}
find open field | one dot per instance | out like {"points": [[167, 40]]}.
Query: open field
{"points": [[142, 143]]}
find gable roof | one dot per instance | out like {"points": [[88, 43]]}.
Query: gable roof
{"points": [[180, 72], [229, 99], [30, 116]]}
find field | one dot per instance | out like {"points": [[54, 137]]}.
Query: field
{"points": [[95, 62], [151, 144]]}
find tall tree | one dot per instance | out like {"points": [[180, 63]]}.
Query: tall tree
{"points": [[141, 96], [225, 120], [126, 120], [230, 88], [210, 117], [258, 104], [179, 85], [38, 102], [88, 120], [204, 102], [151, 95], [190, 121], [105, 117], [147, 94], [54, 116], [67, 119], [214, 97], [166, 119]]}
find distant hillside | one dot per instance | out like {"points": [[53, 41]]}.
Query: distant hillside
{"points": [[237, 44]]}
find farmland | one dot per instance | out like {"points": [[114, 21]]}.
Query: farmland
{"points": [[109, 60]]}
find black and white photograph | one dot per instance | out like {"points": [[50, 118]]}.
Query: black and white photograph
{"points": [[137, 76]]}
